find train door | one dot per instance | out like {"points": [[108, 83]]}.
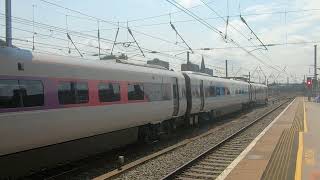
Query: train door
{"points": [[201, 95], [175, 89]]}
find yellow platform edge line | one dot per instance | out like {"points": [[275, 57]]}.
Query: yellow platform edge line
{"points": [[305, 117], [298, 172], [299, 158]]}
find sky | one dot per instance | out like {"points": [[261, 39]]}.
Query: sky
{"points": [[292, 25]]}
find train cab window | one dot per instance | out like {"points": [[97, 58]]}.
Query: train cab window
{"points": [[109, 92], [135, 92], [31, 93], [21, 93], [73, 93]]}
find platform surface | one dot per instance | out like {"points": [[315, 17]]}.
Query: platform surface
{"points": [[310, 167], [255, 161]]}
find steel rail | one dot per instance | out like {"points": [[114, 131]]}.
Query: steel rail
{"points": [[185, 166]]}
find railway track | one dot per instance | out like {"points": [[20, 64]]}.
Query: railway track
{"points": [[80, 172], [211, 163]]}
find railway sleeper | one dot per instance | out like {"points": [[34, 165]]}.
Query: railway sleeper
{"points": [[218, 160], [215, 157], [200, 170], [230, 150], [213, 165], [185, 178], [197, 175], [226, 154]]}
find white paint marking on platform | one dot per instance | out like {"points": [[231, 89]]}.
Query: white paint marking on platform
{"points": [[234, 163]]}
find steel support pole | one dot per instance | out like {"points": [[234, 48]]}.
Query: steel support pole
{"points": [[226, 68], [315, 82], [8, 24]]}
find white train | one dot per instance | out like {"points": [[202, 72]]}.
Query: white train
{"points": [[56, 103]]}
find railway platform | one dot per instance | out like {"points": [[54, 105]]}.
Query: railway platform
{"points": [[287, 149]]}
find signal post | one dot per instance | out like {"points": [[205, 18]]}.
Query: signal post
{"points": [[309, 88]]}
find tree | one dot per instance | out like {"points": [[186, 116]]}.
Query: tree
{"points": [[123, 56], [108, 57], [111, 56]]}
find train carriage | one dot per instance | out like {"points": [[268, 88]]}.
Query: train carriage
{"points": [[259, 93], [48, 100], [73, 107], [215, 94]]}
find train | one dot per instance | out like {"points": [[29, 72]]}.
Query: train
{"points": [[51, 103]]}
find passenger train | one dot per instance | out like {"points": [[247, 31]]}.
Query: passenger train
{"points": [[56, 103]]}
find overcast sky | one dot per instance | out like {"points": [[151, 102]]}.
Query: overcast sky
{"points": [[273, 21]]}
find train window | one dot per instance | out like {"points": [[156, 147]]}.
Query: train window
{"points": [[31, 93], [195, 91], [66, 93], [157, 91], [109, 92], [166, 91], [227, 91], [82, 92], [175, 91], [9, 94], [212, 91], [222, 91], [21, 93], [73, 93], [135, 92], [183, 92], [217, 91]]}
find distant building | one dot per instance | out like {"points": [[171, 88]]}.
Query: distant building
{"points": [[190, 67], [158, 62], [208, 71], [3, 43], [205, 70]]}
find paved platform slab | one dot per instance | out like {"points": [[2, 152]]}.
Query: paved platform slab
{"points": [[310, 164], [255, 161]]}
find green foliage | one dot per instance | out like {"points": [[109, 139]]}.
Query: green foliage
{"points": [[111, 56]]}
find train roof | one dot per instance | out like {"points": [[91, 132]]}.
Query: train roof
{"points": [[213, 78], [21, 55]]}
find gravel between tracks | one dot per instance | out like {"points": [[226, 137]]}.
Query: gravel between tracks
{"points": [[156, 168], [162, 165]]}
